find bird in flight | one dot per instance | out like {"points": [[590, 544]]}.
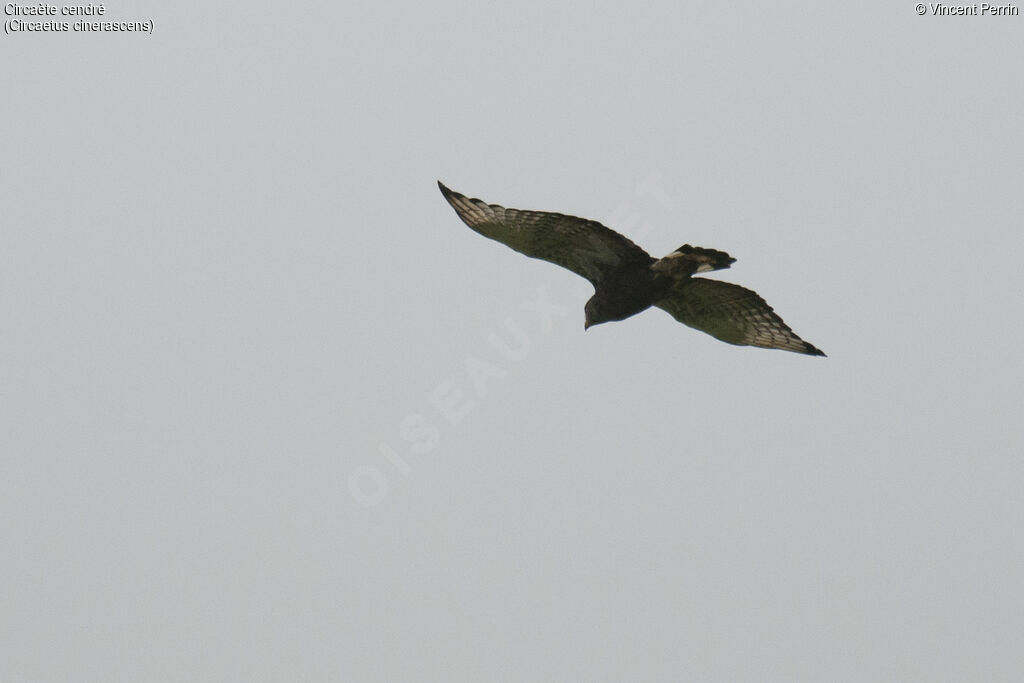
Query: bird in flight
{"points": [[627, 280]]}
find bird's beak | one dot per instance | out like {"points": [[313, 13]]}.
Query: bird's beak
{"points": [[586, 325]]}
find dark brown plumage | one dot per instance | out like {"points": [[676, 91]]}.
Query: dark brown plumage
{"points": [[627, 280]]}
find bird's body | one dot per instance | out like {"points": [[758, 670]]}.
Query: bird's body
{"points": [[626, 293], [627, 280]]}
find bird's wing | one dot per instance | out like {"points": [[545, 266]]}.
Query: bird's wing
{"points": [[585, 247], [733, 314]]}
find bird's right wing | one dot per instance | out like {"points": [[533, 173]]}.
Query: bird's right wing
{"points": [[732, 314], [585, 247]]}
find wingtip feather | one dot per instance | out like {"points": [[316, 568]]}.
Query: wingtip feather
{"points": [[812, 350], [451, 196]]}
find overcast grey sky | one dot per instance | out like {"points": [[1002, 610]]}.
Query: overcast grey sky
{"points": [[270, 411]]}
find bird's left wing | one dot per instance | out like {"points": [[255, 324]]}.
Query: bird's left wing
{"points": [[585, 247], [732, 314]]}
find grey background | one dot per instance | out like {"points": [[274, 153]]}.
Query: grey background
{"points": [[237, 314]]}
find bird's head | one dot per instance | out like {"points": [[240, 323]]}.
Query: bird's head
{"points": [[595, 313]]}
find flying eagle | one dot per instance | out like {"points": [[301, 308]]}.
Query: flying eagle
{"points": [[628, 280]]}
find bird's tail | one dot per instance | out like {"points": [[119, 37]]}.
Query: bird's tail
{"points": [[687, 260]]}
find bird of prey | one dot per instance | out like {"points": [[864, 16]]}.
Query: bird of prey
{"points": [[627, 280]]}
